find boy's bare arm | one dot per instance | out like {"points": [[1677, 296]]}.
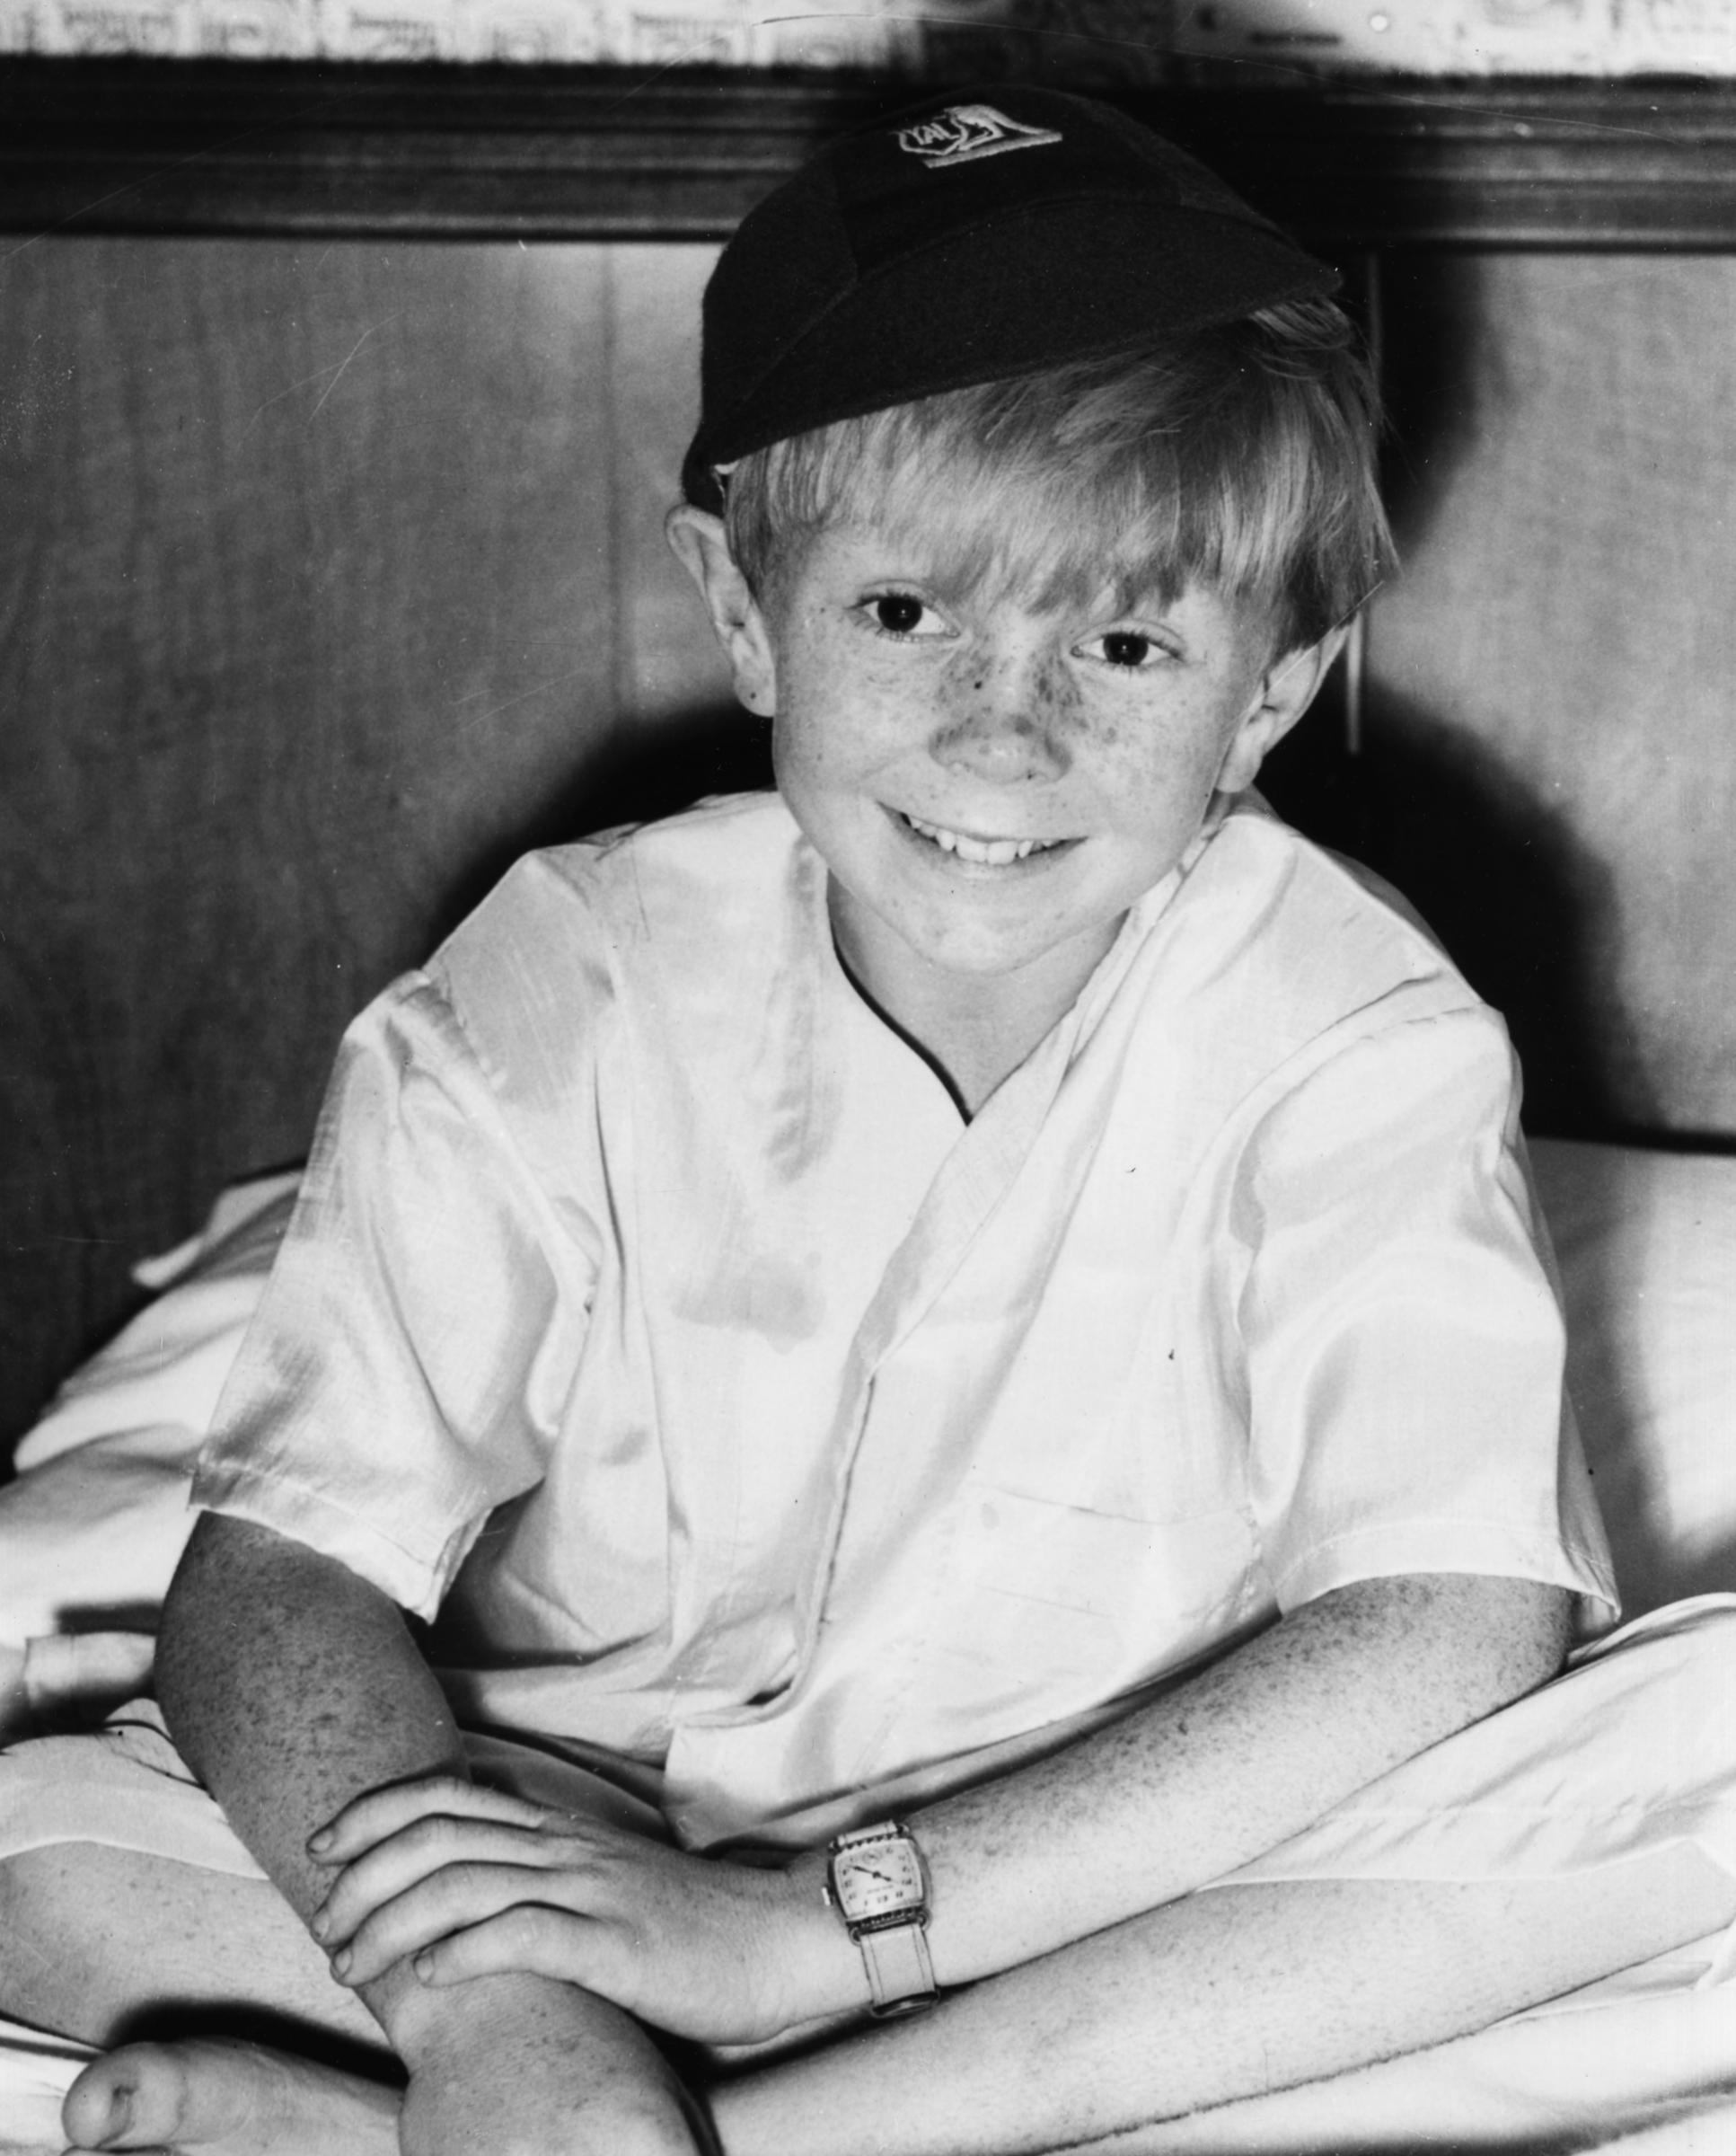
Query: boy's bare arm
{"points": [[1238, 1758], [292, 1686], [1181, 1792], [1203, 2003]]}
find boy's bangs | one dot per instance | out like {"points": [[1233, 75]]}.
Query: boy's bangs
{"points": [[1240, 460], [1067, 514], [1058, 537], [1093, 499]]}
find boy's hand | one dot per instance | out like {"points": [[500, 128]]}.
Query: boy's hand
{"points": [[464, 1882]]}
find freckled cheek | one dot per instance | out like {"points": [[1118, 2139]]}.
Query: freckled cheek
{"points": [[1152, 756], [834, 720]]}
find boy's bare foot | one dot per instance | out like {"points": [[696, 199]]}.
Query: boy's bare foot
{"points": [[213, 2097]]}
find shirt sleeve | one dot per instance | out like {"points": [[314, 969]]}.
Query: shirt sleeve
{"points": [[408, 1367], [1403, 1344]]}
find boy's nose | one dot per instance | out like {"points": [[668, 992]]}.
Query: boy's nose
{"points": [[1005, 731]]}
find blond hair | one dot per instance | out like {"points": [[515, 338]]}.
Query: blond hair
{"points": [[1241, 457]]}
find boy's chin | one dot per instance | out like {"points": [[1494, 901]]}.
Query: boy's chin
{"points": [[980, 956]]}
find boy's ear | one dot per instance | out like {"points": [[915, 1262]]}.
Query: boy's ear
{"points": [[698, 541], [1288, 685]]}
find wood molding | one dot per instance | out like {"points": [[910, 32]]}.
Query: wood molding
{"points": [[617, 153]]}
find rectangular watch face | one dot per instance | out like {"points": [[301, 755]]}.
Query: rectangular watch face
{"points": [[877, 1880]]}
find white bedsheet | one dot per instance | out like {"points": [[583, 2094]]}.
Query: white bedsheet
{"points": [[35, 2074]]}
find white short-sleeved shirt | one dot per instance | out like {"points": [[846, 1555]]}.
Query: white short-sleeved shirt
{"points": [[650, 1305]]}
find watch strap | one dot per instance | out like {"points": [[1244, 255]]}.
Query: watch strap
{"points": [[899, 1970], [893, 1945]]}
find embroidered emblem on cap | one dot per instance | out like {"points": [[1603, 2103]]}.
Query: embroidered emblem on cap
{"points": [[964, 133]]}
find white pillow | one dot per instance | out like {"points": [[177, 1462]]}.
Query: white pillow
{"points": [[1646, 1243], [92, 1529]]}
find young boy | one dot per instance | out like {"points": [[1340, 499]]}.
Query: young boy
{"points": [[955, 1355]]}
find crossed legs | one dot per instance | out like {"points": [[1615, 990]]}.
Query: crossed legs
{"points": [[1216, 2000], [109, 1946]]}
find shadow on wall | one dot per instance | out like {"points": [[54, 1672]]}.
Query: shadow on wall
{"points": [[640, 773], [1498, 878], [1498, 874]]}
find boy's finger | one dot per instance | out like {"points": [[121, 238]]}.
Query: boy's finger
{"points": [[426, 1850], [521, 1941], [381, 1813], [432, 1911], [598, 1957]]}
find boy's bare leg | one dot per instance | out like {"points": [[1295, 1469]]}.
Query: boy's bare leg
{"points": [[1224, 1996], [218, 2096], [104, 1943], [101, 1943]]}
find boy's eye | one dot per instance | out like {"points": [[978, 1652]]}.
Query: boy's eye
{"points": [[1130, 649], [900, 613]]}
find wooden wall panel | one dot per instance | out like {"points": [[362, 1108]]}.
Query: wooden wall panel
{"points": [[670, 660], [687, 734], [1553, 728], [312, 569]]}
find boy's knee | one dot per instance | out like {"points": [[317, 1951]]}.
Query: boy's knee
{"points": [[32, 1882], [39, 1895]]}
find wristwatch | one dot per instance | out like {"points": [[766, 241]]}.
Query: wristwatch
{"points": [[877, 1881]]}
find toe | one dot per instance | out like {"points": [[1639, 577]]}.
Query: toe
{"points": [[129, 2099]]}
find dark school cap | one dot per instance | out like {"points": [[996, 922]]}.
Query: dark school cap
{"points": [[975, 236]]}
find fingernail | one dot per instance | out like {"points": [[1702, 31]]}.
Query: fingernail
{"points": [[341, 1964], [321, 1841], [424, 1966], [321, 1925]]}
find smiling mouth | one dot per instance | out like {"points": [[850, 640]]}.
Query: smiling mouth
{"points": [[988, 852]]}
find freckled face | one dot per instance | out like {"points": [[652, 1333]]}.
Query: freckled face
{"points": [[991, 785]]}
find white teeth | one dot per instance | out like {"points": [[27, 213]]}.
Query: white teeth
{"points": [[993, 853]]}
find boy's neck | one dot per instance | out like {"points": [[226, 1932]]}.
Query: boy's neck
{"points": [[973, 1032]]}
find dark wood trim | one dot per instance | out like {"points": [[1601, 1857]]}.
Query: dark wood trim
{"points": [[610, 152]]}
